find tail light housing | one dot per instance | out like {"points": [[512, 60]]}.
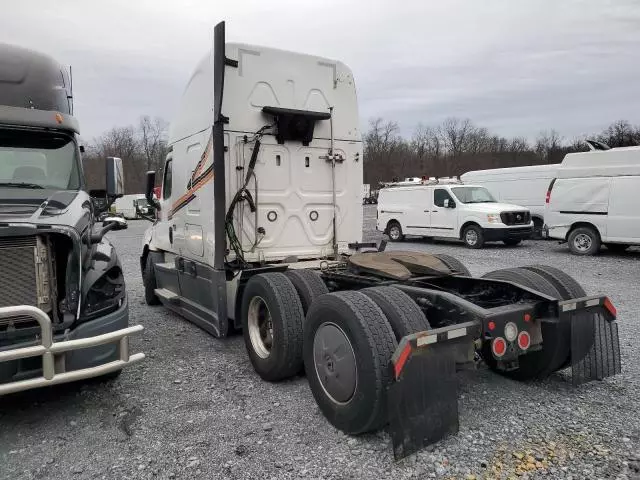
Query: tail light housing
{"points": [[548, 198]]}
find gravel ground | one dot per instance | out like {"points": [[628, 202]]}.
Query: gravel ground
{"points": [[196, 409]]}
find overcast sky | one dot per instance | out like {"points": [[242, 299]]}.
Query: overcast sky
{"points": [[514, 66]]}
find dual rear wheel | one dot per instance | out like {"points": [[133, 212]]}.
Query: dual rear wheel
{"points": [[344, 342]]}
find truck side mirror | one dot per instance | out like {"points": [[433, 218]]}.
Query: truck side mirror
{"points": [[446, 203], [115, 178], [148, 194]]}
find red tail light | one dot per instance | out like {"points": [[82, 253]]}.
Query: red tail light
{"points": [[548, 198], [499, 347], [524, 340]]}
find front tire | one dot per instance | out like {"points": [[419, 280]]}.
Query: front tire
{"points": [[394, 230], [584, 241], [272, 318], [347, 347], [473, 237], [149, 278]]}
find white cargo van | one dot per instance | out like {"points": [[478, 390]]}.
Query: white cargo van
{"points": [[525, 186], [594, 200], [126, 205], [449, 209]]}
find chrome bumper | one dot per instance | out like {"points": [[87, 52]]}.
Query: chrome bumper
{"points": [[53, 363]]}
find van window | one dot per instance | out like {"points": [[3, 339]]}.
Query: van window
{"points": [[166, 183], [473, 194], [439, 196]]}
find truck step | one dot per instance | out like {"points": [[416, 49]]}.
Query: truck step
{"points": [[167, 295], [166, 266]]}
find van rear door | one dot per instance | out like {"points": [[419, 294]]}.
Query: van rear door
{"points": [[623, 222]]}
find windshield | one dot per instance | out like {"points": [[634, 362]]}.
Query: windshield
{"points": [[35, 159], [473, 195]]}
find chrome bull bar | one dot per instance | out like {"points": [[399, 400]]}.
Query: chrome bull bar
{"points": [[48, 349]]}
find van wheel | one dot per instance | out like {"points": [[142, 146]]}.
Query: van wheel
{"points": [[584, 241], [272, 319], [394, 230], [617, 247], [348, 345], [149, 278], [473, 237]]}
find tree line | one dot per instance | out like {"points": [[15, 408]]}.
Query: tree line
{"points": [[450, 148], [142, 147], [458, 145]]}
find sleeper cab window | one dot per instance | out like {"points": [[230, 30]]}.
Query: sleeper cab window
{"points": [[166, 183]]}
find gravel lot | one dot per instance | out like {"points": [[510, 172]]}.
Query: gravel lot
{"points": [[196, 409]]}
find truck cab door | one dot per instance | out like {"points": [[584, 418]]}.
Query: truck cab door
{"points": [[444, 214], [163, 234]]}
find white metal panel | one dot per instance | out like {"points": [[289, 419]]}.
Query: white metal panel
{"points": [[623, 222]]}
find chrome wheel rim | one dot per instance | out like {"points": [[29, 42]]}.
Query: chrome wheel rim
{"points": [[260, 327], [394, 232], [582, 242], [471, 237], [335, 363]]}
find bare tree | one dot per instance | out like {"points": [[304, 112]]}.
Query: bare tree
{"points": [[152, 137]]}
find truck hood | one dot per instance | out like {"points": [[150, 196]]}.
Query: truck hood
{"points": [[494, 207], [45, 207]]}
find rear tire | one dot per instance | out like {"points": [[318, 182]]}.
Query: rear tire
{"points": [[569, 288], [394, 230], [349, 323], [584, 241], [272, 318], [453, 263], [473, 237], [556, 346], [308, 284], [404, 316], [149, 278]]}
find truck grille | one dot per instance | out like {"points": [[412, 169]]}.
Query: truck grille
{"points": [[18, 271], [515, 218]]}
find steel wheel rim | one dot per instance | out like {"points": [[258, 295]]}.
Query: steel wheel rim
{"points": [[471, 237], [394, 233], [582, 242], [335, 363], [260, 327]]}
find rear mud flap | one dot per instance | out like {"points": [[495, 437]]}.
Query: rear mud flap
{"points": [[595, 346], [603, 358], [423, 399]]}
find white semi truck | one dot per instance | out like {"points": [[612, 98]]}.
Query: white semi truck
{"points": [[259, 228]]}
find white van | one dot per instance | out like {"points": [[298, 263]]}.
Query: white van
{"points": [[126, 205], [524, 186], [594, 200], [451, 210]]}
